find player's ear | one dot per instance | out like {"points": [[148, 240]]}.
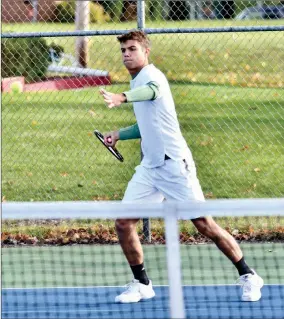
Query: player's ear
{"points": [[147, 50]]}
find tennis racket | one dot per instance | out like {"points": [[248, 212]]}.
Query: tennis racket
{"points": [[113, 150]]}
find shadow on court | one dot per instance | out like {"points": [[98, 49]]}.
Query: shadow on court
{"points": [[98, 302]]}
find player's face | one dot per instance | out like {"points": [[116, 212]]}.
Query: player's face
{"points": [[134, 55]]}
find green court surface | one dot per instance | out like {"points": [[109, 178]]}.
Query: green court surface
{"points": [[105, 265]]}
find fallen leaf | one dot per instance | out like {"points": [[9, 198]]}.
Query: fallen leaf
{"points": [[92, 113], [64, 174], [251, 229], [209, 195], [247, 67], [257, 169]]}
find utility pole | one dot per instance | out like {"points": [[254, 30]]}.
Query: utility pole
{"points": [[82, 19]]}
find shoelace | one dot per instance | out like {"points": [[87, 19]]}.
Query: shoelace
{"points": [[243, 283], [128, 287]]}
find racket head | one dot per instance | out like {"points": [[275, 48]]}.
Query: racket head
{"points": [[111, 149]]}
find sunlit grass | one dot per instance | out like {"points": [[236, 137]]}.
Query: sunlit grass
{"points": [[49, 151]]}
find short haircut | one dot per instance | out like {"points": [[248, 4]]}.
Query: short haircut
{"points": [[137, 35]]}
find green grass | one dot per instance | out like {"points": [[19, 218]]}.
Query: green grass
{"points": [[49, 151], [253, 59]]}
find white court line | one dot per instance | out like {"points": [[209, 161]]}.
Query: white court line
{"points": [[155, 309], [99, 287]]}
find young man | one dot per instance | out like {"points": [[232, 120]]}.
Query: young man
{"points": [[167, 169]]}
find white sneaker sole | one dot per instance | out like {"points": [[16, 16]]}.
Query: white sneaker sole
{"points": [[149, 297], [118, 300], [251, 299]]}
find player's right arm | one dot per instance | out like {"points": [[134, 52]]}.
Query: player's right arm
{"points": [[147, 92], [126, 133], [150, 91]]}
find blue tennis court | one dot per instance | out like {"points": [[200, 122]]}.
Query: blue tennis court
{"points": [[98, 302]]}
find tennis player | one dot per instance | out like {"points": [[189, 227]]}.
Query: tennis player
{"points": [[167, 169]]}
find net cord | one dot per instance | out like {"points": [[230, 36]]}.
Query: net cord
{"points": [[117, 209]]}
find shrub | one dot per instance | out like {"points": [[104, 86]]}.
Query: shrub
{"points": [[113, 8], [154, 10], [65, 12], [28, 57], [98, 14]]}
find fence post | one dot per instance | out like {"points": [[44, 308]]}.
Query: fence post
{"points": [[82, 23], [141, 14], [35, 10]]}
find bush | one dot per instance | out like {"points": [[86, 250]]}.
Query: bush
{"points": [[113, 8], [27, 57], [98, 14], [154, 10], [65, 12]]}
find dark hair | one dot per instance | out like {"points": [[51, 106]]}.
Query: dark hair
{"points": [[137, 35]]}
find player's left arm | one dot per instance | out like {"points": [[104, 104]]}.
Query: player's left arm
{"points": [[147, 92]]}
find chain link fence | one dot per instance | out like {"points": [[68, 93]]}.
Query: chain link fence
{"points": [[227, 85], [50, 11]]}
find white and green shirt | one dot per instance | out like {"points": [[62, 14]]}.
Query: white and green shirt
{"points": [[157, 121]]}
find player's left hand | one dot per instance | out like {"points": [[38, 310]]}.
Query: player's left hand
{"points": [[112, 100]]}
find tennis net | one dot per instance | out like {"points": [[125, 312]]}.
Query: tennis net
{"points": [[63, 260]]}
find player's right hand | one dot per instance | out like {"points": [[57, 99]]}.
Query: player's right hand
{"points": [[111, 138], [111, 99]]}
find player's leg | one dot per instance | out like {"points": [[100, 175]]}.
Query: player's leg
{"points": [[139, 189], [251, 282], [223, 240], [179, 182]]}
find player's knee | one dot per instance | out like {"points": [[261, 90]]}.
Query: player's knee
{"points": [[124, 225], [207, 227], [201, 225]]}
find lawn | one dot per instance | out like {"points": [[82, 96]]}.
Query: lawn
{"points": [[49, 151], [253, 59]]}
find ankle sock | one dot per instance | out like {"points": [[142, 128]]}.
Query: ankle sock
{"points": [[140, 274], [242, 267]]}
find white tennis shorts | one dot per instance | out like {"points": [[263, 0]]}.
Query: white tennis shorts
{"points": [[175, 180]]}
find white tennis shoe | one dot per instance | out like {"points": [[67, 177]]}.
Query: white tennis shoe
{"points": [[251, 284], [135, 291]]}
